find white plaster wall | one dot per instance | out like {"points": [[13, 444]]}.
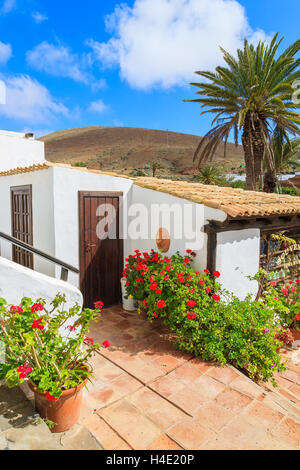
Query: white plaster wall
{"points": [[42, 211], [147, 198], [238, 257], [18, 151], [67, 182], [17, 282]]}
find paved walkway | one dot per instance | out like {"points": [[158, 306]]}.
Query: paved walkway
{"points": [[147, 395]]}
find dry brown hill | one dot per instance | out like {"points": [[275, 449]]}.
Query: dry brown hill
{"points": [[126, 148]]}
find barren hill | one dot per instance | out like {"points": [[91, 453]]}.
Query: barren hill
{"points": [[125, 148]]}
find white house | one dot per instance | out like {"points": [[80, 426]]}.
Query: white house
{"points": [[89, 221]]}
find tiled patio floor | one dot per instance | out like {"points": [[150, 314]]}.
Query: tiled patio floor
{"points": [[147, 395]]}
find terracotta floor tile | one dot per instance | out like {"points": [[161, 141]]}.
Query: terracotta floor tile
{"points": [[224, 374], [295, 389], [240, 433], [167, 363], [130, 424], [165, 386], [107, 371], [247, 387], [187, 399], [125, 384], [207, 387], [159, 410], [186, 374], [190, 434], [141, 370], [103, 397], [288, 431], [218, 443], [164, 443], [260, 415], [291, 375], [213, 416], [233, 400], [201, 365], [104, 433]]}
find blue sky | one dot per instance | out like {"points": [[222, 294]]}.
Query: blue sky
{"points": [[81, 63]]}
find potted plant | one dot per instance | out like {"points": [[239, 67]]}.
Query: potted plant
{"points": [[50, 349]]}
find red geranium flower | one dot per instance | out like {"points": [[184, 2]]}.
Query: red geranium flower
{"points": [[50, 397], [186, 260], [24, 371], [166, 277], [89, 340], [297, 317], [191, 316], [158, 291], [37, 324], [181, 280], [216, 274], [285, 291], [189, 251], [206, 271], [208, 290], [201, 282], [106, 344], [273, 283], [99, 305], [153, 286], [161, 304], [216, 297], [191, 303], [37, 308], [14, 309]]}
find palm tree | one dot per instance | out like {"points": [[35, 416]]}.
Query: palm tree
{"points": [[251, 95], [285, 156], [209, 174], [154, 166]]}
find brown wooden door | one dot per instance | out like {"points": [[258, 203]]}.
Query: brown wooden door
{"points": [[100, 254], [21, 217]]}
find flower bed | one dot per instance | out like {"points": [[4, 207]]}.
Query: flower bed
{"points": [[206, 320]]}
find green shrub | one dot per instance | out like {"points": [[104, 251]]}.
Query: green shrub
{"points": [[207, 321]]}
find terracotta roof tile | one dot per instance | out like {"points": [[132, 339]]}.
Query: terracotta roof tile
{"points": [[234, 201]]}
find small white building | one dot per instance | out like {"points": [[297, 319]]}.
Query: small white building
{"points": [[91, 220]]}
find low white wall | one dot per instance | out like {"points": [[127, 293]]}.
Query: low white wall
{"points": [[193, 218], [18, 151], [17, 282], [238, 257]]}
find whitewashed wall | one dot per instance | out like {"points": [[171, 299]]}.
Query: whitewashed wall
{"points": [[238, 257], [18, 151], [42, 212], [147, 198]]}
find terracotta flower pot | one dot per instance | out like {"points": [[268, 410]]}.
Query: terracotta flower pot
{"points": [[64, 412], [295, 333]]}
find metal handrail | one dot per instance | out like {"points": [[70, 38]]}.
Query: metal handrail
{"points": [[65, 268]]}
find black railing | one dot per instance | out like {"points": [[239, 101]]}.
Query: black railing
{"points": [[65, 268]]}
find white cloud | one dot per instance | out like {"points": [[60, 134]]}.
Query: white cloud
{"points": [[39, 17], [5, 52], [98, 107], [58, 61], [162, 42], [7, 6], [28, 100]]}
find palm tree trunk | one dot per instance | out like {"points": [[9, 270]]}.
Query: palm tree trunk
{"points": [[254, 147], [270, 180]]}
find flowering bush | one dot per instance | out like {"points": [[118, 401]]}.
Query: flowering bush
{"points": [[36, 349], [285, 301], [206, 323]]}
